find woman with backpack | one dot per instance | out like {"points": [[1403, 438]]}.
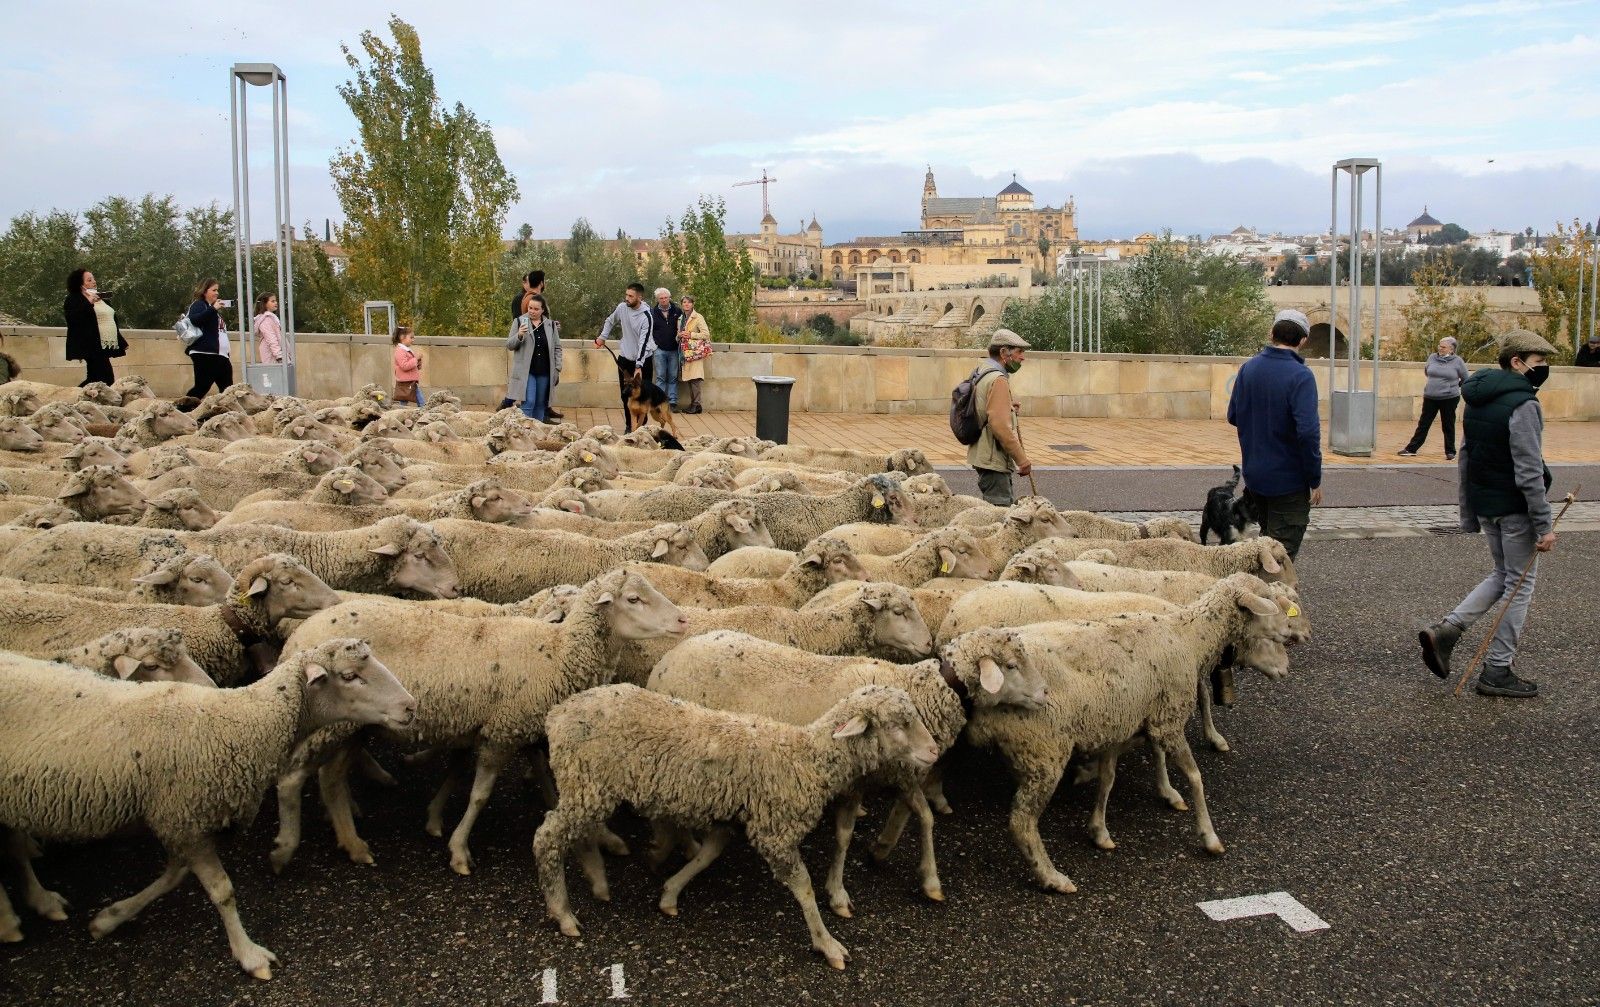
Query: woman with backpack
{"points": [[208, 354], [93, 335]]}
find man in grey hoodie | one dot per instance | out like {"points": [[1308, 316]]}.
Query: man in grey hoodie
{"points": [[1503, 492], [632, 320]]}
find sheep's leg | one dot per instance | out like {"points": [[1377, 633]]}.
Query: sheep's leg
{"points": [[1203, 700], [594, 866], [560, 829], [490, 760], [845, 812], [711, 848], [1164, 787], [1106, 774], [539, 770], [252, 957], [928, 866], [1034, 790], [1197, 790], [40, 899], [333, 780], [10, 925], [933, 788], [287, 841], [118, 913], [371, 769], [791, 870], [900, 813], [455, 768], [664, 838]]}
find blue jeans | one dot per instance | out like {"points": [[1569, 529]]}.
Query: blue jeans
{"points": [[669, 364], [536, 397], [421, 401]]}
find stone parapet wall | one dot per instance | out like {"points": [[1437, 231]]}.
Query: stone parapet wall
{"points": [[827, 378]]}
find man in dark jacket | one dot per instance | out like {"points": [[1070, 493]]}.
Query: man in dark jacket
{"points": [[1274, 407], [1503, 486], [1588, 353], [665, 320]]}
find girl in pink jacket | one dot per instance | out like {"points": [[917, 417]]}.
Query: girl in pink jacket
{"points": [[268, 330], [407, 368]]}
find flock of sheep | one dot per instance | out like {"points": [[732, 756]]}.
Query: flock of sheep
{"points": [[201, 606]]}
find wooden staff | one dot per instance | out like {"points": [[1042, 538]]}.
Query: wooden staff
{"points": [[1483, 648], [1031, 484]]}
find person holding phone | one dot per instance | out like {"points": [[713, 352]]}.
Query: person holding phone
{"points": [[93, 335], [535, 367], [209, 355]]}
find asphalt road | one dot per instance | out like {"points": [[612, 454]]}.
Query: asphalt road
{"points": [[1449, 843], [1184, 488]]}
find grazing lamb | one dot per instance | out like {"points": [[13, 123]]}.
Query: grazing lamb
{"points": [[1109, 681], [743, 674], [707, 769], [140, 655], [482, 698], [86, 756], [234, 640], [502, 564]]}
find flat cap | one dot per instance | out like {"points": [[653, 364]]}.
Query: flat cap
{"points": [[1524, 341], [1005, 337]]}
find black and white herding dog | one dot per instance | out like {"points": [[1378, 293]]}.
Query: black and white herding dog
{"points": [[1227, 514]]}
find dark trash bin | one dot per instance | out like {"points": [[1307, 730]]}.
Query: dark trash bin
{"points": [[772, 407]]}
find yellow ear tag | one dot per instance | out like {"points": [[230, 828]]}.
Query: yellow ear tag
{"points": [[877, 501], [1294, 610], [944, 567], [588, 457]]}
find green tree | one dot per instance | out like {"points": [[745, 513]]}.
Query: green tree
{"points": [[423, 189], [1449, 234], [1556, 269], [36, 254], [1442, 306], [136, 251], [721, 277]]}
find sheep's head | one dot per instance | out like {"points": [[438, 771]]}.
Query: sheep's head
{"points": [[886, 502], [1036, 565], [444, 403], [165, 421], [94, 451], [513, 437], [958, 554], [242, 397], [142, 655], [434, 431], [675, 545], [883, 720], [584, 451], [17, 435], [995, 668], [778, 482], [58, 423], [742, 524], [550, 605], [896, 622], [1264, 628], [833, 558], [567, 498], [100, 393], [186, 507], [930, 484], [134, 386], [228, 426], [348, 486], [168, 458], [643, 437], [911, 461], [344, 682], [585, 480], [632, 606], [306, 428], [281, 587], [418, 560], [381, 464], [566, 433], [1288, 599], [187, 579], [317, 457], [493, 503], [1275, 565], [1038, 519], [716, 477], [88, 412], [99, 491], [603, 434], [19, 402], [46, 516], [1168, 527]]}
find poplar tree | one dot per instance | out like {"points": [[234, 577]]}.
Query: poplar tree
{"points": [[719, 276]]}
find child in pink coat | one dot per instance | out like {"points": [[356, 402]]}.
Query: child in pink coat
{"points": [[407, 368]]}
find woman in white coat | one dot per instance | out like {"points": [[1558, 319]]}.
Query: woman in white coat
{"points": [[535, 368]]}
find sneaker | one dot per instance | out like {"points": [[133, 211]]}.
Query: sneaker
{"points": [[555, 415], [1408, 453], [1449, 456], [1495, 680], [1438, 642]]}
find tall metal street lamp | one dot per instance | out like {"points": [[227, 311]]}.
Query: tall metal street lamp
{"points": [[271, 378]]}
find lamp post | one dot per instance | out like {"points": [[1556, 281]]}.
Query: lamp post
{"points": [[277, 379], [1352, 411]]}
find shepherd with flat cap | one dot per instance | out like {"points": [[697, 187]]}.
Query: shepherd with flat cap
{"points": [[998, 450]]}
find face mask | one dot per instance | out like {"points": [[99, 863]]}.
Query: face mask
{"points": [[1536, 375], [1013, 366]]}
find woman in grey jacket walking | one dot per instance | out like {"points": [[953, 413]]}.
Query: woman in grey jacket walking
{"points": [[535, 366], [1440, 396]]}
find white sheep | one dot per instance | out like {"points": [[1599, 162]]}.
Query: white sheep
{"points": [[1013, 604], [744, 674], [140, 655], [86, 756], [827, 562], [1264, 557], [514, 671], [99, 491], [17, 435], [709, 769], [944, 552], [485, 500], [910, 461]]}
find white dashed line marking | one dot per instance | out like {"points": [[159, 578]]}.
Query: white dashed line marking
{"points": [[619, 983], [549, 987], [1280, 904]]}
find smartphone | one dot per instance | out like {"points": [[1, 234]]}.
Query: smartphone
{"points": [[224, 304]]}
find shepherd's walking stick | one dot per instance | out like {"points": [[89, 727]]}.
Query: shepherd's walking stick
{"points": [[1031, 484], [1483, 648]]}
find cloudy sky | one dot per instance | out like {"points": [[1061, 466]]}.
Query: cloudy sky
{"points": [[1193, 116]]}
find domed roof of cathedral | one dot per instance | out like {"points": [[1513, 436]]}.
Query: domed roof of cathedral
{"points": [[1015, 189], [1426, 220]]}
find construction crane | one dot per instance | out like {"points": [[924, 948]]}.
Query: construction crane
{"points": [[763, 181]]}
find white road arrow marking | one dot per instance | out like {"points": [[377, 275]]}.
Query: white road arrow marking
{"points": [[1280, 904]]}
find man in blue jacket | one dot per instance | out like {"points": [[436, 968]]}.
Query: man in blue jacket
{"points": [[1274, 407]]}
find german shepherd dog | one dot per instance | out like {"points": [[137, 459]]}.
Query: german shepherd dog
{"points": [[647, 402]]}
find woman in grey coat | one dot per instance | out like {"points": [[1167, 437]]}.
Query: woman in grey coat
{"points": [[535, 368], [1440, 396]]}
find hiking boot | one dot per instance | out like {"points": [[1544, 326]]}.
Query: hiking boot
{"points": [[1496, 680], [555, 415], [1438, 642]]}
